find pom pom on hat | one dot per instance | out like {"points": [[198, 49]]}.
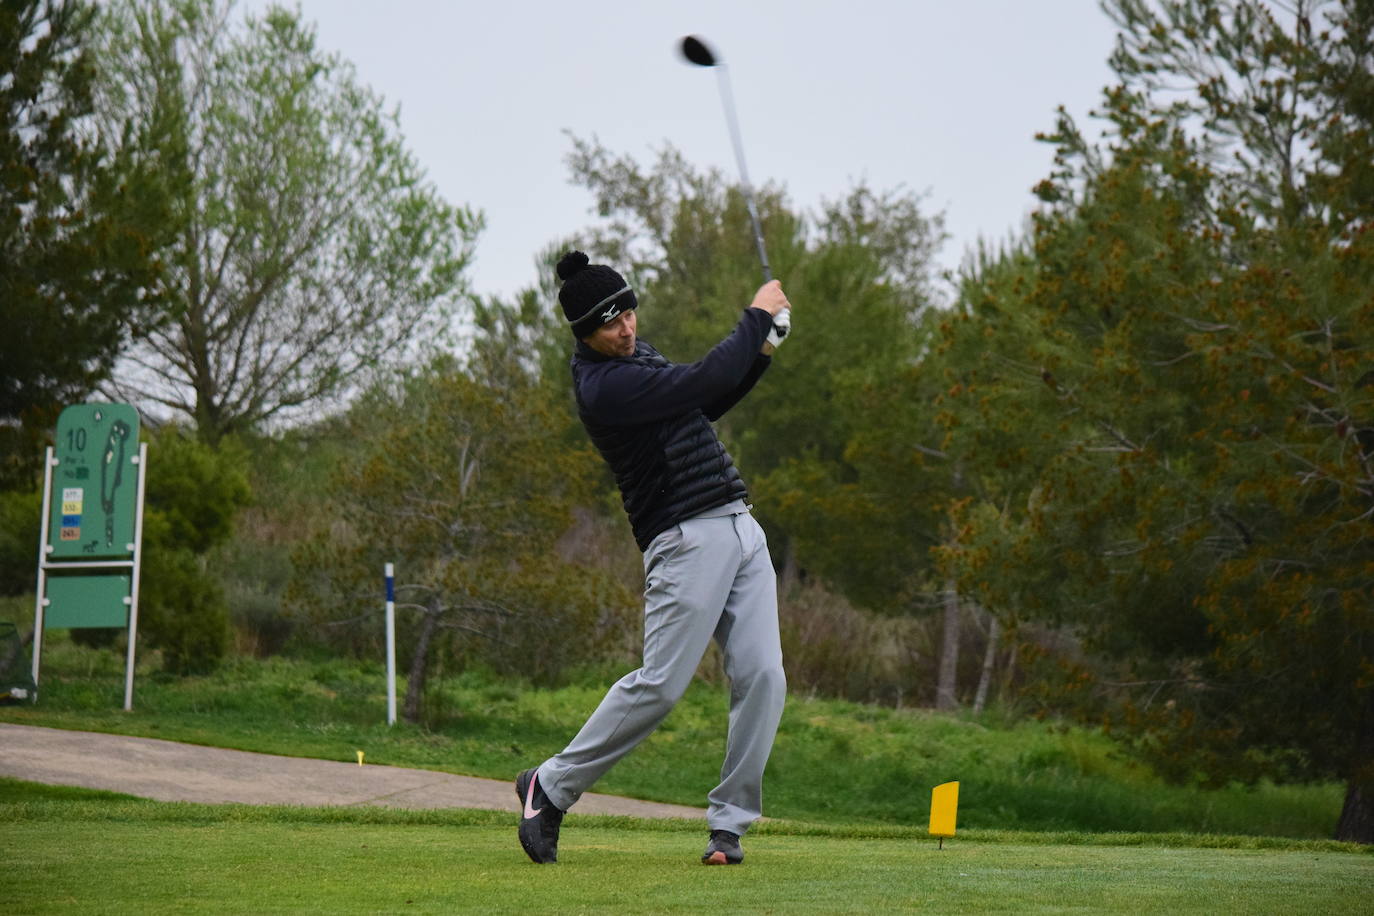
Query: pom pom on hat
{"points": [[571, 263]]}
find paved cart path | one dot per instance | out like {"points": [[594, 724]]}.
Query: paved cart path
{"points": [[172, 771]]}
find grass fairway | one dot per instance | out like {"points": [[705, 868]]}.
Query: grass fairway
{"points": [[836, 762], [70, 851]]}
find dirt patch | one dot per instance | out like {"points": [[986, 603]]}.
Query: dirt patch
{"points": [[171, 771]]}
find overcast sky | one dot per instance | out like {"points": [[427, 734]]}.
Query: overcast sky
{"points": [[943, 96]]}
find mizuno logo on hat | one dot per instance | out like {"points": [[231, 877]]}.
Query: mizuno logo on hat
{"points": [[609, 313]]}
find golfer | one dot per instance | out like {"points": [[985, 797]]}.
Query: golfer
{"points": [[707, 572]]}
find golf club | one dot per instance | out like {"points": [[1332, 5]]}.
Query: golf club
{"points": [[697, 52]]}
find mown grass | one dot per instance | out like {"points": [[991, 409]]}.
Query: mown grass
{"points": [[834, 762], [69, 850]]}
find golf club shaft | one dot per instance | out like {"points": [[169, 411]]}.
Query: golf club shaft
{"points": [[727, 99]]}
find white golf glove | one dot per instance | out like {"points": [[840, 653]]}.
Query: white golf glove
{"points": [[782, 326]]}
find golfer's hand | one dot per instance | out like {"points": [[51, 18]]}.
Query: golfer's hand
{"points": [[782, 326], [770, 298]]}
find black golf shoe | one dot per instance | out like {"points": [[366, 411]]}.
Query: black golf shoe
{"points": [[723, 849], [539, 819]]}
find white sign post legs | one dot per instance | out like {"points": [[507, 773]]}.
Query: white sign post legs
{"points": [[42, 564], [137, 548]]}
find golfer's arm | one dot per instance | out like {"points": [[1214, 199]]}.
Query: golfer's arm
{"points": [[625, 394], [717, 409]]}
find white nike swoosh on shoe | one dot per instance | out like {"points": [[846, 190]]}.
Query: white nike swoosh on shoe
{"points": [[530, 810]]}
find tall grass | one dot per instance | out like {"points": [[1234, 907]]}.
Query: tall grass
{"points": [[834, 761]]}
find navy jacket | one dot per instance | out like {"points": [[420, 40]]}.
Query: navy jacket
{"points": [[651, 421]]}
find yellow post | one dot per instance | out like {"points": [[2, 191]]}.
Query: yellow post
{"points": [[944, 810], [360, 758]]}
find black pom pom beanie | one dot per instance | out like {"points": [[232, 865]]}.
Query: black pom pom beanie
{"points": [[592, 294]]}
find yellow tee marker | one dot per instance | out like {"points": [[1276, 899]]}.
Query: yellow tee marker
{"points": [[360, 758], [944, 810]]}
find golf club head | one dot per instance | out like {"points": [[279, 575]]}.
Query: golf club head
{"points": [[696, 51]]}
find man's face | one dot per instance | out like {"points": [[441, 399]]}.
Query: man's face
{"points": [[616, 337]]}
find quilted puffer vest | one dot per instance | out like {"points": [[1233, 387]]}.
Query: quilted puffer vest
{"points": [[668, 471]]}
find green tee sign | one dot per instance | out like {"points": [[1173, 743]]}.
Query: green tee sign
{"points": [[87, 601], [90, 552], [95, 483]]}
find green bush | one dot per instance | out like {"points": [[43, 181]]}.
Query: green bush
{"points": [[182, 611], [98, 637], [20, 526], [194, 490], [193, 493]]}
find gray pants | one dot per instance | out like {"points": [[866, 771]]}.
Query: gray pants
{"points": [[710, 576]]}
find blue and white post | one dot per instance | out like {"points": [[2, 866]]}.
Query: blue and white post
{"points": [[390, 644]]}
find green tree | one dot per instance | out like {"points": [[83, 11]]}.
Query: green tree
{"points": [[1191, 347], [193, 494], [461, 485], [308, 247], [78, 229]]}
